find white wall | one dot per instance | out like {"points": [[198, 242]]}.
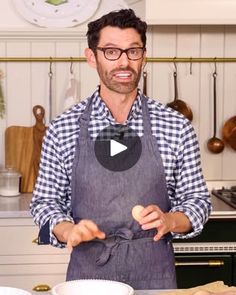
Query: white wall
{"points": [[197, 89]]}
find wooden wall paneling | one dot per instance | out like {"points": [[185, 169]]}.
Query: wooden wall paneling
{"points": [[229, 107], [18, 85], [3, 120], [188, 44], [88, 76], [39, 77], [212, 44], [65, 49], [163, 45]]}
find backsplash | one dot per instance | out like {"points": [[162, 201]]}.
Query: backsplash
{"points": [[26, 84]]}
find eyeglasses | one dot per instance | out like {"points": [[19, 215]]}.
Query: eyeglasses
{"points": [[112, 53]]}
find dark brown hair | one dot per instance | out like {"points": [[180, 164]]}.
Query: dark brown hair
{"points": [[124, 18]]}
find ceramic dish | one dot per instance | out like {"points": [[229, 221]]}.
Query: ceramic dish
{"points": [[91, 287]]}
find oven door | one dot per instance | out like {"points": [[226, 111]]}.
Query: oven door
{"points": [[234, 271], [198, 269]]}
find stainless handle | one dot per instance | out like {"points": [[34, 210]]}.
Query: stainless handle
{"points": [[212, 263], [41, 288]]}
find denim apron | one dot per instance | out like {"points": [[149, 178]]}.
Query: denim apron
{"points": [[128, 254]]}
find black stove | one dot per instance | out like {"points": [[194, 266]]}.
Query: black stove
{"points": [[228, 195]]}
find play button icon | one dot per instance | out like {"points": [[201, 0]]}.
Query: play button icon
{"points": [[117, 147]]}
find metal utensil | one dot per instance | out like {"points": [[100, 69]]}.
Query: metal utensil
{"points": [[50, 75], [215, 144], [145, 83]]}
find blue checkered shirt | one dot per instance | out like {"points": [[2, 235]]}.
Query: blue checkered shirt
{"points": [[178, 147]]}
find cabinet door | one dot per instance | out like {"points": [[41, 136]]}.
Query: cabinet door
{"points": [[27, 276], [172, 12], [193, 270], [234, 271], [24, 264], [17, 236]]}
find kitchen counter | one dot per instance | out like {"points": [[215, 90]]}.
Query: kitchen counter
{"points": [[221, 209], [136, 292], [18, 207], [15, 207]]}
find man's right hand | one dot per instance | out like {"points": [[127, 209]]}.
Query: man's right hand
{"points": [[74, 234]]}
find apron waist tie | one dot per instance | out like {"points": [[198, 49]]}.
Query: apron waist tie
{"points": [[111, 243], [121, 236]]}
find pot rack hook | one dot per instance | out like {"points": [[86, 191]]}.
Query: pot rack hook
{"points": [[50, 68], [191, 66], [144, 65], [175, 64], [71, 66], [215, 72]]}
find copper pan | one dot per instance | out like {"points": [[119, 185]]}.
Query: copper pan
{"points": [[229, 132], [178, 104]]}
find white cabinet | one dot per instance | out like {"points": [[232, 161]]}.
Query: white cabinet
{"points": [[25, 264], [170, 12]]}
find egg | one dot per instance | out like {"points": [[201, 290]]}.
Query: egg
{"points": [[136, 210]]}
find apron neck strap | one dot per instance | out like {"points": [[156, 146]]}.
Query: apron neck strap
{"points": [[146, 117], [84, 119]]}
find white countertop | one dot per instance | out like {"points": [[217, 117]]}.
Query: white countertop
{"points": [[18, 207], [15, 207]]}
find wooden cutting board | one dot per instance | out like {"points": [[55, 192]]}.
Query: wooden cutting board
{"points": [[23, 149], [207, 289]]}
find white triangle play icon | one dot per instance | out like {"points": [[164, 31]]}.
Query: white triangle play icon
{"points": [[116, 147]]}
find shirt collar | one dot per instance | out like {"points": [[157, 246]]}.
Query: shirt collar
{"points": [[101, 111]]}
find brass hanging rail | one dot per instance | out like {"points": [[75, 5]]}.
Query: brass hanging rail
{"points": [[42, 59], [148, 59], [191, 59]]}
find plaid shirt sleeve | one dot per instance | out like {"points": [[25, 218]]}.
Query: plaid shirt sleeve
{"points": [[51, 199], [179, 148], [189, 193]]}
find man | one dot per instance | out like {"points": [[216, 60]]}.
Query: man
{"points": [[88, 206]]}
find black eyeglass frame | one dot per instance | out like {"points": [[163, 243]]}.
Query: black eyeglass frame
{"points": [[103, 49]]}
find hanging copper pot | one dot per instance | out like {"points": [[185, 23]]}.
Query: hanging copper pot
{"points": [[229, 132], [178, 104]]}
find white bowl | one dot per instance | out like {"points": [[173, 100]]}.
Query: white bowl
{"points": [[92, 287], [13, 291]]}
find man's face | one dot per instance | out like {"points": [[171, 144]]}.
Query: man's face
{"points": [[121, 75]]}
